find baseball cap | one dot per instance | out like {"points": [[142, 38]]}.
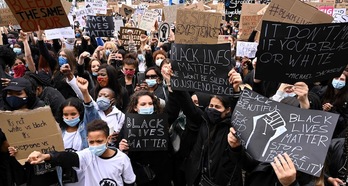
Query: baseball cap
{"points": [[18, 84]]}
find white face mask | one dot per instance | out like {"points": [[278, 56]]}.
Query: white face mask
{"points": [[159, 62]]}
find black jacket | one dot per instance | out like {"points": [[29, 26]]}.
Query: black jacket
{"points": [[220, 162]]}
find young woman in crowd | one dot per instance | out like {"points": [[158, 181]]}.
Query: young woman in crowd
{"points": [[129, 70]]}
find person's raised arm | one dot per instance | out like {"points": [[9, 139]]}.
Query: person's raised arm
{"points": [[64, 159], [44, 51], [83, 86], [301, 90], [27, 51]]}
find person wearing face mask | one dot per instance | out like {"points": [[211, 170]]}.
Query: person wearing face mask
{"points": [[159, 56], [19, 67], [154, 78], [98, 164], [144, 102], [116, 59], [109, 47], [129, 69], [334, 98], [211, 157]]}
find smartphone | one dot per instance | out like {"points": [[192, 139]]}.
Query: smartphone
{"points": [[140, 77]]}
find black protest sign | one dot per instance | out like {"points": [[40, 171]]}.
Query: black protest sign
{"points": [[100, 26], [147, 132], [202, 68], [124, 36], [268, 128], [311, 53], [164, 31], [233, 9]]}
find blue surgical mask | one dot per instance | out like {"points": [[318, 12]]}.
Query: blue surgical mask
{"points": [[103, 103], [72, 122], [292, 94], [141, 57], [77, 35], [338, 84], [62, 60], [98, 150], [151, 82], [107, 52], [18, 51], [16, 102], [95, 74], [145, 110]]}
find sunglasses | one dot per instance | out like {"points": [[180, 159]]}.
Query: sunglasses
{"points": [[151, 76]]}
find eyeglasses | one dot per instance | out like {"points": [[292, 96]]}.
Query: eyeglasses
{"points": [[151, 76]]}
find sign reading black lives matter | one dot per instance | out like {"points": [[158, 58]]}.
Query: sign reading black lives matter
{"points": [[290, 53], [147, 132], [268, 128], [202, 68], [100, 26]]}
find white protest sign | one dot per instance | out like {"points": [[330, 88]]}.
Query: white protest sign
{"points": [[58, 33], [339, 15], [247, 49], [118, 24], [148, 20], [89, 7]]}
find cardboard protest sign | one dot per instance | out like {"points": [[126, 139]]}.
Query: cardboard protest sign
{"points": [[249, 19], [58, 33], [126, 11], [170, 13], [223, 39], [124, 36], [100, 26], [293, 11], [196, 27], [47, 14], [247, 49], [267, 128], [6, 17], [147, 132], [310, 53], [340, 15], [233, 9], [32, 130], [148, 19], [202, 68], [164, 31]]}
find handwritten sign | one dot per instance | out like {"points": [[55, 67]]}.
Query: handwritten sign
{"points": [[124, 36], [6, 17], [202, 68], [268, 128], [233, 9], [309, 53], [147, 132], [58, 33], [164, 31], [126, 11], [148, 19], [247, 49], [327, 9], [47, 14], [249, 19], [293, 11], [32, 130], [224, 39], [100, 26], [196, 27], [340, 15], [170, 12]]}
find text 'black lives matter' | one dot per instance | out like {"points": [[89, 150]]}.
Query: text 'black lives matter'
{"points": [[100, 26], [267, 128], [147, 132], [202, 68], [310, 53]]}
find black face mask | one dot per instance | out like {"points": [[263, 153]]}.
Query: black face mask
{"points": [[214, 115], [16, 102]]}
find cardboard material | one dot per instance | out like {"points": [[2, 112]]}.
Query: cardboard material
{"points": [[48, 14], [267, 128], [148, 20], [291, 53], [6, 17], [202, 68], [126, 11], [196, 27], [249, 19], [32, 130], [223, 39], [293, 11], [125, 37], [170, 13]]}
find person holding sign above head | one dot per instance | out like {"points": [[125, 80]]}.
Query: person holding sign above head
{"points": [[144, 102], [98, 164], [211, 159]]}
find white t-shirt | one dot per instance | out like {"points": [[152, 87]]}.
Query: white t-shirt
{"points": [[105, 172], [115, 119], [72, 140]]}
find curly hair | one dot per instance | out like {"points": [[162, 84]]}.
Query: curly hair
{"points": [[135, 99], [7, 56]]}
